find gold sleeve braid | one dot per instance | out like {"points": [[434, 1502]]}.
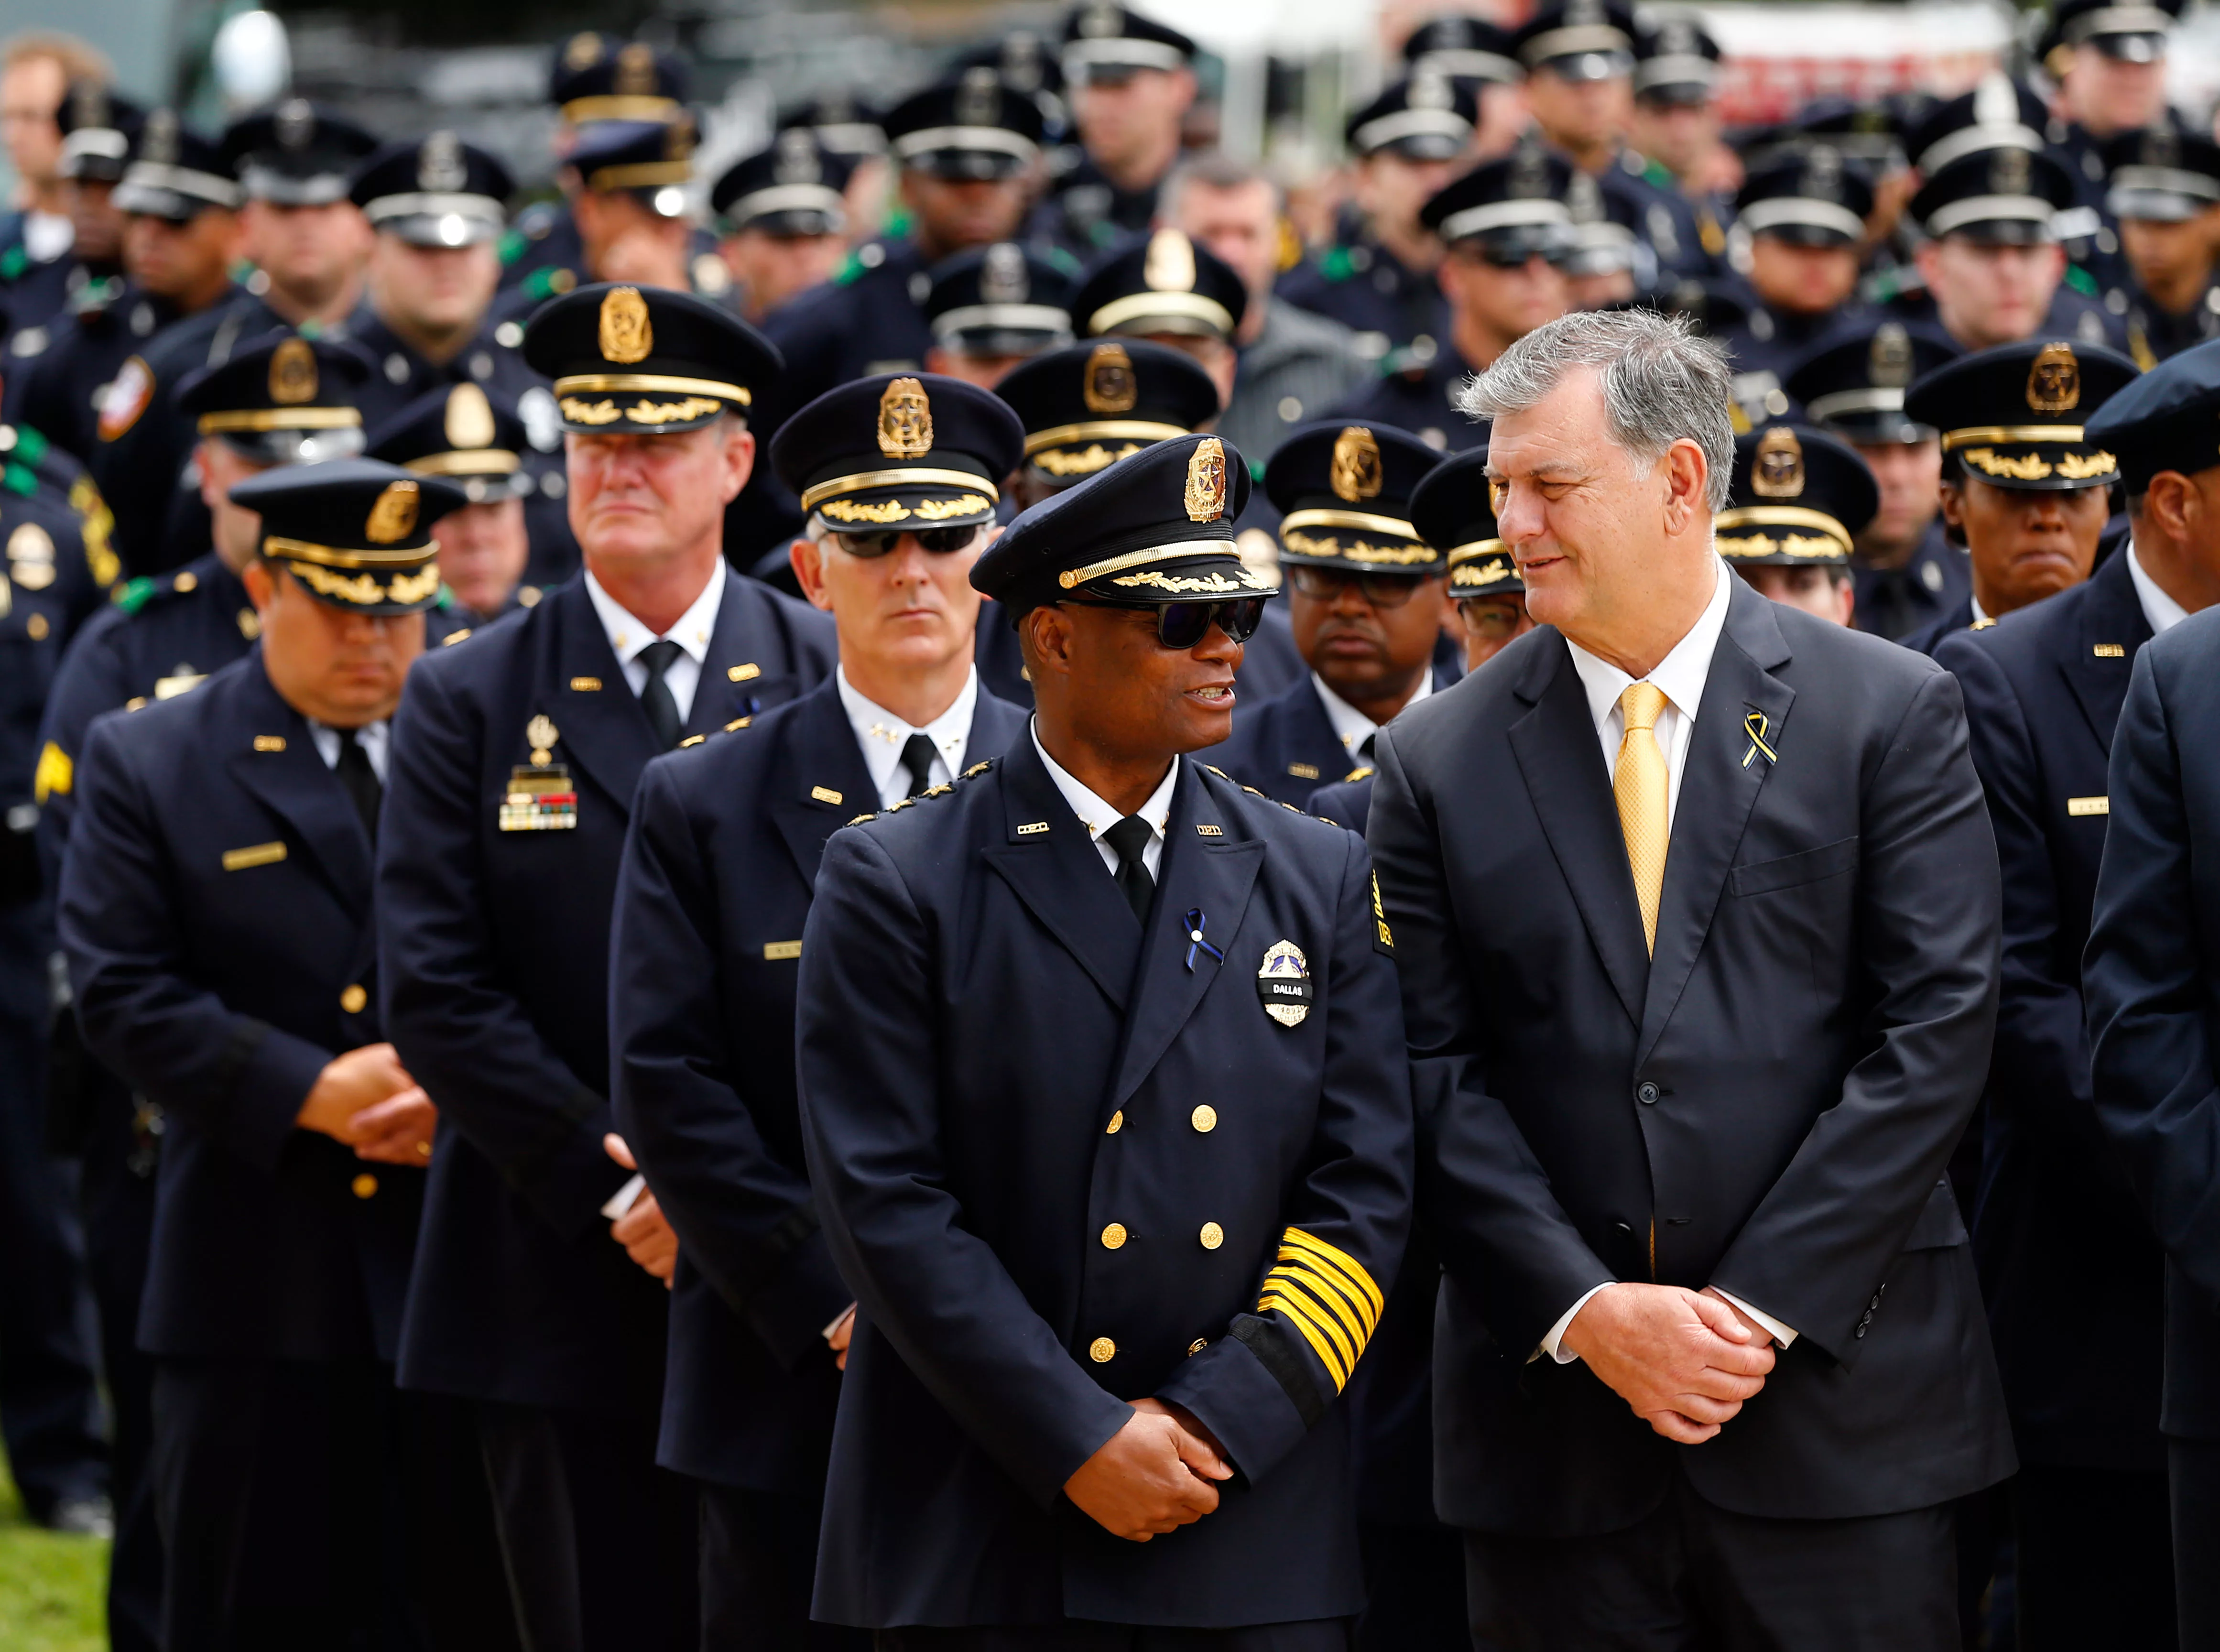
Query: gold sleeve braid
{"points": [[1328, 1296]]}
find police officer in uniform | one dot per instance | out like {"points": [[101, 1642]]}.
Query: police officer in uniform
{"points": [[216, 910], [1129, 80], [2043, 690], [993, 309], [1676, 122], [487, 556], [1796, 501], [1368, 603], [2165, 195], [541, 1296], [784, 220], [711, 906], [2024, 490], [1800, 220], [2108, 64], [1378, 277], [1082, 1311], [965, 148], [1904, 573], [1508, 235]]}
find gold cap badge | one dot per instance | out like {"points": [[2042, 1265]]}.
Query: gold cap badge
{"points": [[469, 418], [293, 373], [1110, 386], [394, 514], [1206, 481], [1357, 472], [626, 335], [1776, 470], [905, 420], [1168, 265], [2054, 382]]}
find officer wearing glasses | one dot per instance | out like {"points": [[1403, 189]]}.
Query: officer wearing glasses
{"points": [[1109, 1129], [1369, 599]]}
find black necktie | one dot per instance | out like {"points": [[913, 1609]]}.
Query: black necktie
{"points": [[655, 699], [1130, 837], [360, 780], [917, 756], [1364, 746]]}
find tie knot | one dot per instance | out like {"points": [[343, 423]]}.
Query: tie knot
{"points": [[917, 756], [1129, 837], [657, 657], [1642, 702]]}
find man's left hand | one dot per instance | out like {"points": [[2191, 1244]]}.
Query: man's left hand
{"points": [[644, 1230], [396, 1131]]}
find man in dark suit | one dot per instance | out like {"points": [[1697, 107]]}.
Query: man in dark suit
{"points": [[216, 910], [2148, 984], [710, 907], [518, 754], [1368, 603], [2043, 689], [1695, 906], [1106, 1133]]}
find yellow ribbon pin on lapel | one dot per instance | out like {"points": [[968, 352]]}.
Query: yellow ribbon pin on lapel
{"points": [[1756, 727]]}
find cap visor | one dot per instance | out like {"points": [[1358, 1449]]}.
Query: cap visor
{"points": [[277, 447]]}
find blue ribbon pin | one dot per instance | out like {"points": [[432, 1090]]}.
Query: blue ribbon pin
{"points": [[1756, 727], [1195, 944]]}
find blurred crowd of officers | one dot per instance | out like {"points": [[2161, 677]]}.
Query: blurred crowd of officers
{"points": [[224, 352]]}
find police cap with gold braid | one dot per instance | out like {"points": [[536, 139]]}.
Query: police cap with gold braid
{"points": [[1154, 528], [356, 533], [1345, 492], [641, 361], [899, 452], [463, 432], [1087, 406], [1159, 282], [1450, 510], [282, 400], [2013, 416], [1800, 497], [598, 79]]}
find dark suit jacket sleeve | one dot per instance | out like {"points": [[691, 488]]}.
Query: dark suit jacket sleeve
{"points": [[2042, 1055], [745, 1218], [1503, 1233], [464, 1038], [870, 1106], [1261, 1387], [2147, 979], [239, 1078], [1929, 920]]}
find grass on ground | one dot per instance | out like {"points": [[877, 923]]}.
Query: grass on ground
{"points": [[50, 1586]]}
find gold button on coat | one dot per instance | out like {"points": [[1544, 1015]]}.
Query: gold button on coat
{"points": [[1114, 1236], [1117, 1123], [1204, 1117], [1102, 1350], [352, 1000], [364, 1185], [1212, 1236]]}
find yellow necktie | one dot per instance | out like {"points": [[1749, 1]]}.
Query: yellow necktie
{"points": [[1640, 784]]}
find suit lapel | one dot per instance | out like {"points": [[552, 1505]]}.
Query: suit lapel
{"points": [[600, 727], [822, 781], [1307, 737], [2112, 620], [293, 784], [1059, 875], [1211, 875], [743, 662], [1559, 759], [1723, 772]]}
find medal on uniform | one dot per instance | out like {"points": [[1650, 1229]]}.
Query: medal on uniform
{"points": [[540, 797], [1283, 982]]}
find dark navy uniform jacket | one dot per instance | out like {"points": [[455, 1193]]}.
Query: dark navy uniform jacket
{"points": [[1765, 344], [1086, 213], [1895, 602], [2153, 997], [1957, 617], [216, 907], [869, 318], [1662, 216], [1057, 1167], [1418, 400], [1365, 287], [1286, 748], [2154, 333], [58, 392], [497, 955], [49, 589], [710, 909], [2043, 688]]}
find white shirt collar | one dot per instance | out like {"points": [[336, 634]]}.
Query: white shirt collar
{"points": [[1351, 726], [880, 735], [1097, 816], [1681, 673], [1974, 602], [2159, 610], [374, 738], [629, 636]]}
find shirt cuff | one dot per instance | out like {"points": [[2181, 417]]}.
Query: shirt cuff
{"points": [[1781, 1333], [1549, 1341], [836, 1321]]}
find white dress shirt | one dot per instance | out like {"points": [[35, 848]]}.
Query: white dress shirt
{"points": [[880, 735], [1351, 726], [1681, 676], [1974, 602], [2161, 611], [373, 738], [629, 638], [1098, 817]]}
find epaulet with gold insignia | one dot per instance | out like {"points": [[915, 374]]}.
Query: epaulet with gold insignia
{"points": [[860, 818], [1983, 623], [454, 637], [737, 724], [979, 768], [1220, 772], [1362, 772], [692, 739]]}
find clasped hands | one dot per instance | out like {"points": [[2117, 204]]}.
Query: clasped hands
{"points": [[1684, 1361], [366, 1100], [1158, 1473]]}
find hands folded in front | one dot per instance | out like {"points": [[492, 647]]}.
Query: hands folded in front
{"points": [[366, 1100], [1158, 1473], [1684, 1361]]}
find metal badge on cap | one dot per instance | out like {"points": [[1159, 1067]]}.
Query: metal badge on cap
{"points": [[393, 515], [293, 373], [626, 335], [1778, 470], [1357, 470], [1206, 481], [905, 420], [1169, 265], [1110, 385], [2053, 381]]}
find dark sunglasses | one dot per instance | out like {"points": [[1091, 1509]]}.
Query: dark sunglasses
{"points": [[1325, 585], [1182, 625], [938, 541]]}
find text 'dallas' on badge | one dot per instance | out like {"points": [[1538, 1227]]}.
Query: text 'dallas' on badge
{"points": [[540, 797], [1283, 982]]}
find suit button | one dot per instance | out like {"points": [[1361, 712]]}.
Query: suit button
{"points": [[1117, 1123], [1204, 1117], [1212, 1236], [1646, 1093], [1102, 1350], [1114, 1236], [364, 1185], [1197, 1346], [352, 1000]]}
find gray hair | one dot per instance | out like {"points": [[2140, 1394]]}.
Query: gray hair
{"points": [[1214, 169], [1661, 383]]}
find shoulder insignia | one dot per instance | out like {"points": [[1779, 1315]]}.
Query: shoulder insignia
{"points": [[1253, 791], [1384, 937], [941, 790], [860, 818], [1362, 772], [1215, 769], [897, 807], [692, 739], [979, 768], [738, 723], [1983, 623], [454, 637], [851, 268], [56, 773], [2081, 281], [133, 593]]}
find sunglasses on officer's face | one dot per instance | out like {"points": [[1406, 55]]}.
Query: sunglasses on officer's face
{"points": [[1182, 625], [1326, 585], [938, 541]]}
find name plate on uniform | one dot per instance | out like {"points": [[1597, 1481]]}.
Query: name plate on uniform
{"points": [[2089, 805], [540, 799]]}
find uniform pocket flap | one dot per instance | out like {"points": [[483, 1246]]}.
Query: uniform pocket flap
{"points": [[1804, 866], [1939, 1225]]}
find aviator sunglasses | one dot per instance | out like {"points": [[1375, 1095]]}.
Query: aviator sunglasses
{"points": [[938, 541], [1180, 626]]}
